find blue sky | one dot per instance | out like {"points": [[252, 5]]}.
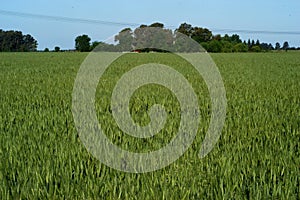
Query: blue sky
{"points": [[267, 15]]}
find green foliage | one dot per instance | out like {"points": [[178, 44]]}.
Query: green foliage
{"points": [[82, 43], [57, 49], [255, 48], [204, 45], [197, 33], [12, 41], [235, 39], [285, 46], [240, 47], [186, 29], [229, 43], [137, 39], [201, 34], [226, 47], [157, 24], [214, 46], [218, 43], [266, 47], [257, 156], [277, 46]]}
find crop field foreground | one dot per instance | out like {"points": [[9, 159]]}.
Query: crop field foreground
{"points": [[256, 157]]}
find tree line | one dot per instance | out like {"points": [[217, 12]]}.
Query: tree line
{"points": [[205, 37], [14, 41]]}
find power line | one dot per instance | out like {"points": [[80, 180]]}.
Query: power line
{"points": [[128, 24], [66, 19]]}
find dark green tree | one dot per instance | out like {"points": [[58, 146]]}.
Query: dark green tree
{"points": [[226, 38], [56, 49], [29, 44], [257, 43], [214, 46], [285, 46], [186, 29], [197, 33], [277, 46], [266, 46], [240, 47], [249, 43], [201, 34], [157, 25], [271, 46], [252, 43], [227, 47], [235, 38], [16, 41], [143, 26], [82, 43]]}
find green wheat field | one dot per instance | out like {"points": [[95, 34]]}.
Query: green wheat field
{"points": [[257, 156]]}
